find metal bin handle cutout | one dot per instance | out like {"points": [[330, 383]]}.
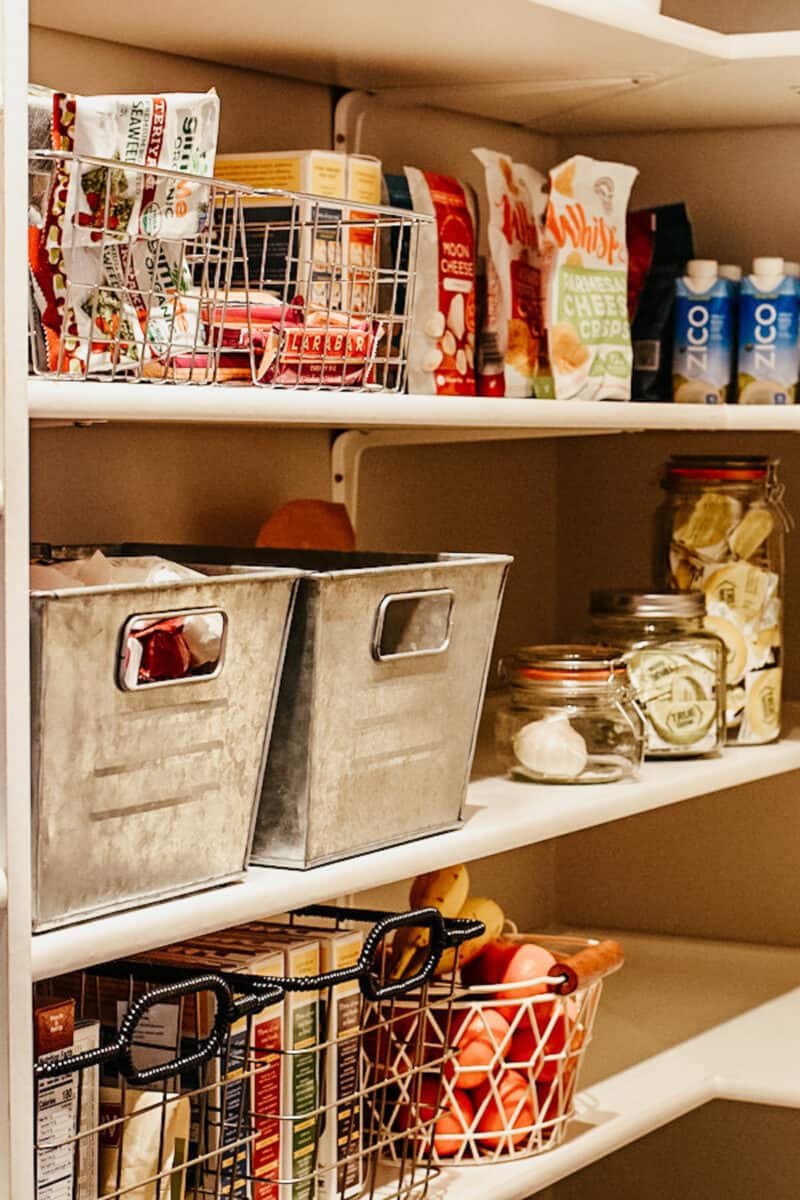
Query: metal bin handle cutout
{"points": [[413, 624], [167, 648]]}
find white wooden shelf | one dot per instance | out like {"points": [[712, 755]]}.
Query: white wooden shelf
{"points": [[558, 65], [54, 400], [683, 1023], [500, 815]]}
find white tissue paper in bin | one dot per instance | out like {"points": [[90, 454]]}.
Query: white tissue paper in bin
{"points": [[201, 631], [101, 571]]}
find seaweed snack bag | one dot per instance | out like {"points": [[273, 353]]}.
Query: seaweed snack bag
{"points": [[177, 132], [653, 321], [586, 282], [511, 332], [112, 282], [442, 346]]}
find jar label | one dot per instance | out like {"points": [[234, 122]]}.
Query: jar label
{"points": [[677, 687]]}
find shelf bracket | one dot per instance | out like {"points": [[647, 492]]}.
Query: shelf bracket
{"points": [[348, 121], [349, 447]]}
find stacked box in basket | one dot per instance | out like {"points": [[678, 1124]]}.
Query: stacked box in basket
{"points": [[380, 697], [143, 792]]}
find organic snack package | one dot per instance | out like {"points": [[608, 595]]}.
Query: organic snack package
{"points": [[511, 331], [586, 282], [122, 301], [442, 345]]}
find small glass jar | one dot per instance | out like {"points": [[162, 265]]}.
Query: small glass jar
{"points": [[722, 533], [676, 668], [569, 717]]}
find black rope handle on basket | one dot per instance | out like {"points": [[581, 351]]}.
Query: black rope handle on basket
{"points": [[121, 1049], [445, 932], [239, 994]]}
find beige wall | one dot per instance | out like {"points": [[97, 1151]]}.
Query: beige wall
{"points": [[258, 112], [739, 185]]}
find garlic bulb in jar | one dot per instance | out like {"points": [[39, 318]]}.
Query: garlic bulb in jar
{"points": [[550, 748]]}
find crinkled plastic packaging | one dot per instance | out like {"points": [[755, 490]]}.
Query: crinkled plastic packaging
{"points": [[586, 282], [511, 334], [441, 356], [111, 277]]}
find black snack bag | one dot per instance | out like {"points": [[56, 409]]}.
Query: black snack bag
{"points": [[652, 331]]}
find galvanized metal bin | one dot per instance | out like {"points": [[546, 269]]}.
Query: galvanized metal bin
{"points": [[147, 793], [379, 701]]}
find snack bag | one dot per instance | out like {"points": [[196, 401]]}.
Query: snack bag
{"points": [[653, 319], [512, 329], [586, 282], [442, 345], [111, 278], [176, 131]]}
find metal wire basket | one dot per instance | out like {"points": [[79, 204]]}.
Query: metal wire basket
{"points": [[206, 1081], [323, 292], [500, 1064], [144, 273]]}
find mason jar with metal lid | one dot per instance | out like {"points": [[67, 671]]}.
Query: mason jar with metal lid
{"points": [[722, 533], [569, 716], [676, 668]]}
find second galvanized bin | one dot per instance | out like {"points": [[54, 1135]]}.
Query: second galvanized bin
{"points": [[379, 701], [146, 791]]}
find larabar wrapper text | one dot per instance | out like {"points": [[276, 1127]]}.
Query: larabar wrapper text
{"points": [[586, 282], [442, 346]]}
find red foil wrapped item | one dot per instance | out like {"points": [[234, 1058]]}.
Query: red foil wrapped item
{"points": [[165, 654]]}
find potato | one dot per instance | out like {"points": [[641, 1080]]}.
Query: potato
{"points": [[528, 962], [505, 1122], [546, 1029], [478, 1043], [456, 1116]]}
